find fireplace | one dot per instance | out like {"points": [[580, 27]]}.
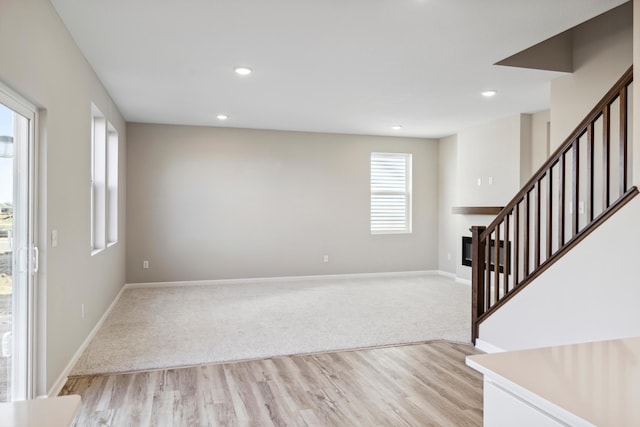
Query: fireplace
{"points": [[466, 250], [467, 253]]}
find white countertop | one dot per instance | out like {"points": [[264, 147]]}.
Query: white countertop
{"points": [[51, 412], [598, 382]]}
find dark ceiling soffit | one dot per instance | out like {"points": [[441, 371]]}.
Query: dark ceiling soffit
{"points": [[553, 54], [556, 53]]}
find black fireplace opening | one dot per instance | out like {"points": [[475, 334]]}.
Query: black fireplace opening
{"points": [[467, 253], [466, 250]]}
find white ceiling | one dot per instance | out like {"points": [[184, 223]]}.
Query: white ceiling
{"points": [[342, 66]]}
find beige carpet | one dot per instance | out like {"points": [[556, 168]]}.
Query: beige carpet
{"points": [[153, 328]]}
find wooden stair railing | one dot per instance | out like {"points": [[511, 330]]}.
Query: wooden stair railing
{"points": [[581, 185]]}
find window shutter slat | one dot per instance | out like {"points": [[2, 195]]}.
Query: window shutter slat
{"points": [[390, 193]]}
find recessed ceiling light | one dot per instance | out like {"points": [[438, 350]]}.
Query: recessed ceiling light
{"points": [[489, 93], [222, 117], [243, 71], [396, 127]]}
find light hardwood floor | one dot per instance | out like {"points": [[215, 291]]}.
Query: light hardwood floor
{"points": [[412, 385]]}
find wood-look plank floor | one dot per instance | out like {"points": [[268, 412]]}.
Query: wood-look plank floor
{"points": [[412, 385]]}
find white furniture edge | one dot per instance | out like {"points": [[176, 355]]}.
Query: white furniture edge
{"points": [[56, 411], [549, 408], [62, 379]]}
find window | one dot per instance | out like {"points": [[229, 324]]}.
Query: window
{"points": [[104, 182], [390, 193], [98, 179]]}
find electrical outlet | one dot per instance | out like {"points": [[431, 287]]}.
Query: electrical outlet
{"points": [[54, 238], [479, 181], [449, 256], [326, 258], [145, 264], [82, 310]]}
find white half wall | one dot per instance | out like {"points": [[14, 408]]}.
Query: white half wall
{"points": [[591, 294], [218, 203]]}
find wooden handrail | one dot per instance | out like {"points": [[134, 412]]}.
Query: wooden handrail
{"points": [[630, 194], [509, 253], [625, 80]]}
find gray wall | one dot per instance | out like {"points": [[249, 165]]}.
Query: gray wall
{"points": [[539, 139], [449, 236], [218, 203], [40, 60]]}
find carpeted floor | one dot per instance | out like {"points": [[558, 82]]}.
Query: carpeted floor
{"points": [[152, 328]]}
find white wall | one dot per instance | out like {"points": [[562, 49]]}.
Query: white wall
{"points": [[449, 239], [41, 62], [489, 150], [569, 303], [215, 203], [509, 150], [603, 51]]}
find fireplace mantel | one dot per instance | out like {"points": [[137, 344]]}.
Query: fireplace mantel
{"points": [[476, 210]]}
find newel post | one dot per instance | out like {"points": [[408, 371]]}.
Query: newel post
{"points": [[477, 279]]}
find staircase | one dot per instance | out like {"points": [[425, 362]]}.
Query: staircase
{"points": [[578, 188]]}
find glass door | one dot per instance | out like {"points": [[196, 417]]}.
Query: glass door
{"points": [[18, 254]]}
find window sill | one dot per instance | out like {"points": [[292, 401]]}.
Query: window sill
{"points": [[387, 233], [96, 251]]}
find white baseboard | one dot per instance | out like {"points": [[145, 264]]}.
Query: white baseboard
{"points": [[282, 279], [463, 281], [446, 274], [488, 348], [62, 379]]}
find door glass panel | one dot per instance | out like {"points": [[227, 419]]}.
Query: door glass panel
{"points": [[14, 254], [6, 248]]}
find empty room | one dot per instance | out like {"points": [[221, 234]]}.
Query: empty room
{"points": [[238, 213]]}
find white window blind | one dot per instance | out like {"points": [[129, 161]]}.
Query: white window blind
{"points": [[390, 193]]}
